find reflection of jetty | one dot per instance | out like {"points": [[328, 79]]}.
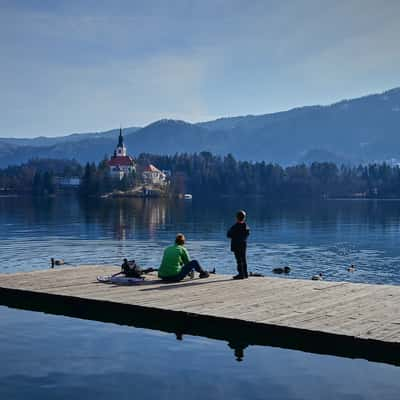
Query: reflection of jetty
{"points": [[345, 319]]}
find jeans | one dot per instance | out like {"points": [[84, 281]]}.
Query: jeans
{"points": [[240, 255], [186, 269]]}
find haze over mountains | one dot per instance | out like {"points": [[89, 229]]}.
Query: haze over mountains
{"points": [[359, 130]]}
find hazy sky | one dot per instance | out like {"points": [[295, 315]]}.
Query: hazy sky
{"points": [[75, 66]]}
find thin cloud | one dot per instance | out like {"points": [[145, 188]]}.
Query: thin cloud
{"points": [[77, 66]]}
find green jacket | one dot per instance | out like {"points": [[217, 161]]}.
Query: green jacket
{"points": [[174, 258]]}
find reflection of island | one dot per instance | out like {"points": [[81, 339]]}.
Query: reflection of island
{"points": [[150, 213], [122, 217], [120, 226], [155, 215]]}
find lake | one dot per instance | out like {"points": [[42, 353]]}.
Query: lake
{"points": [[55, 357], [310, 237]]}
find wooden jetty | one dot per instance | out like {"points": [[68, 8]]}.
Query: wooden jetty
{"points": [[337, 318]]}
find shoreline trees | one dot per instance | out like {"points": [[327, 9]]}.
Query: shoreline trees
{"points": [[204, 174]]}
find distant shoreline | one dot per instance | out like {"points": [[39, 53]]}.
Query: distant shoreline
{"points": [[118, 196]]}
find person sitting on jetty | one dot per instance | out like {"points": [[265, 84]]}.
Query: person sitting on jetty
{"points": [[176, 263], [238, 233]]}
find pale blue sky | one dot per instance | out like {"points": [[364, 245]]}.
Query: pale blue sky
{"points": [[89, 65]]}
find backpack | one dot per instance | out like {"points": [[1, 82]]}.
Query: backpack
{"points": [[131, 269]]}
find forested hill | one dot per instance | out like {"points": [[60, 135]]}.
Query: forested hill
{"points": [[357, 130]]}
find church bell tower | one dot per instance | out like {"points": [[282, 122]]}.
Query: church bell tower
{"points": [[121, 149]]}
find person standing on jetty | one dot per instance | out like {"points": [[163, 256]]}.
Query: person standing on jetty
{"points": [[238, 233], [176, 263]]}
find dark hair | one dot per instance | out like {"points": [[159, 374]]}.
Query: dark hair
{"points": [[180, 239], [241, 215]]}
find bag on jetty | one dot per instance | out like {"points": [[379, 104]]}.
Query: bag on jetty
{"points": [[130, 274], [130, 269]]}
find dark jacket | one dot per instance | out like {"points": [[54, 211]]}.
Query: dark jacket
{"points": [[238, 234]]}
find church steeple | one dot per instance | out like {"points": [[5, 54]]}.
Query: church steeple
{"points": [[120, 138], [121, 149], [120, 163]]}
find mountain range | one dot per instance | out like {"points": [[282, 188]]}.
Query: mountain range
{"points": [[364, 129]]}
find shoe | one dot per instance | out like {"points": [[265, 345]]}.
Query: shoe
{"points": [[204, 274], [191, 274], [238, 277]]}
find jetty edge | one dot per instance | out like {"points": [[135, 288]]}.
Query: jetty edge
{"points": [[337, 318]]}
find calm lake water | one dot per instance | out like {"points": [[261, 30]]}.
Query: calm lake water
{"points": [[55, 357], [310, 237]]}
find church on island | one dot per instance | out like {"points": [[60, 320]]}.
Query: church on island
{"points": [[120, 163]]}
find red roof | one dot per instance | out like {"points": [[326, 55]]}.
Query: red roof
{"points": [[121, 160], [152, 168]]}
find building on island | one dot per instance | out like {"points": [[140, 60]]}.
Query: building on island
{"points": [[153, 176], [120, 163], [72, 182]]}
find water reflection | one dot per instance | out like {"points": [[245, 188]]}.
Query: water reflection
{"points": [[237, 347], [238, 350], [122, 216], [106, 361], [154, 214]]}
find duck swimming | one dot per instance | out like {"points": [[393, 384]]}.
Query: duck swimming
{"points": [[56, 262], [352, 268], [255, 274], [284, 270], [318, 277]]}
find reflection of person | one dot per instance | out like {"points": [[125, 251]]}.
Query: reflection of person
{"points": [[238, 349], [238, 233], [176, 263]]}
